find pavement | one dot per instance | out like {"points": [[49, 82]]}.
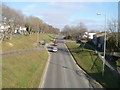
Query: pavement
{"points": [[20, 51], [63, 72]]}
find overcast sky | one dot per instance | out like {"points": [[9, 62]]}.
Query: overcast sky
{"points": [[59, 14]]}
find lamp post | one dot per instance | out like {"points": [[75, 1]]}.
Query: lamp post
{"points": [[116, 27], [104, 41]]}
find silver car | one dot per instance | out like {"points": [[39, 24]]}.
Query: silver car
{"points": [[54, 49]]}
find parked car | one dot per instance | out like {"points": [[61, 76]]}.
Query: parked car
{"points": [[54, 49], [54, 44], [78, 41]]}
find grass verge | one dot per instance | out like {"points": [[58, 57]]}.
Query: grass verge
{"points": [[25, 42], [92, 64], [23, 70]]}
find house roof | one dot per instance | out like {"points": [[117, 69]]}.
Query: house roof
{"points": [[100, 34]]}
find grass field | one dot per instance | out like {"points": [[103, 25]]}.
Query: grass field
{"points": [[25, 42], [92, 64], [118, 64], [23, 70]]}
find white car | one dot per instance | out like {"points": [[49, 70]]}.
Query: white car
{"points": [[54, 49]]}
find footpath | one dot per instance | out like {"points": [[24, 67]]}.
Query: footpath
{"points": [[14, 52], [110, 65]]}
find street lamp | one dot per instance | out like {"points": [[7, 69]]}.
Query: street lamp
{"points": [[98, 13], [104, 40]]}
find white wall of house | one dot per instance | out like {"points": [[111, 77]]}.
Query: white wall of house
{"points": [[20, 30], [4, 27], [88, 35]]}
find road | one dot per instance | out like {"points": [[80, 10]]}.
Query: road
{"points": [[63, 72]]}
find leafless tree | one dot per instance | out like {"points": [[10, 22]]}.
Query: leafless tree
{"points": [[14, 19], [75, 31], [113, 42]]}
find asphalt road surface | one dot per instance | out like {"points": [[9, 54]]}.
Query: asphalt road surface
{"points": [[63, 72]]}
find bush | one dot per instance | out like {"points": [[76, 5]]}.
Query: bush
{"points": [[67, 37]]}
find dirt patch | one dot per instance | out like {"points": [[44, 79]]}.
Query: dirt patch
{"points": [[10, 44]]}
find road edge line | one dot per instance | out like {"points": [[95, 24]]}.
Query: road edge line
{"points": [[42, 81], [82, 69]]}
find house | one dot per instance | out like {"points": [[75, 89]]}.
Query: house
{"points": [[3, 28], [89, 35], [98, 40], [20, 30]]}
